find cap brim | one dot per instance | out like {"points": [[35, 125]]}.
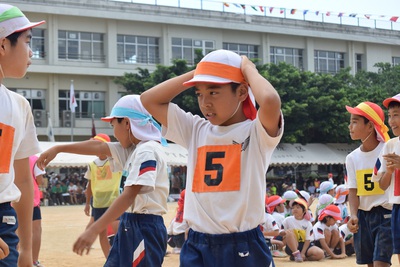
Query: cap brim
{"points": [[30, 26], [107, 119], [387, 101], [207, 79], [355, 111]]}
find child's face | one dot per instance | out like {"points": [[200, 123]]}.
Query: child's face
{"points": [[280, 208], [122, 132], [330, 221], [359, 130], [297, 211], [17, 58], [394, 120], [219, 104]]}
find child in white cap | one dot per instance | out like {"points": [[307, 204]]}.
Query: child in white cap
{"points": [[18, 140], [229, 153], [142, 235], [341, 197], [370, 210]]}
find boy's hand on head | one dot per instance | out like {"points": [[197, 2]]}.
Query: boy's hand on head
{"points": [[4, 249], [46, 157], [246, 64]]}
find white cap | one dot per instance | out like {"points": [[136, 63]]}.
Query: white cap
{"points": [[324, 187], [341, 192], [13, 20], [290, 195]]}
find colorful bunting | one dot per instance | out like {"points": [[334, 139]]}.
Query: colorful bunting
{"points": [[270, 9], [328, 13], [243, 6], [282, 10], [394, 19], [317, 13], [305, 12], [255, 9], [262, 8], [236, 5], [353, 15], [340, 14], [368, 16]]}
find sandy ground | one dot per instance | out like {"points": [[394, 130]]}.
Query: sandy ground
{"points": [[63, 224]]}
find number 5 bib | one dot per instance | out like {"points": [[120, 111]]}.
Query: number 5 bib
{"points": [[217, 168]]}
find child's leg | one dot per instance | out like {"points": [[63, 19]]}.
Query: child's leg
{"points": [[314, 253], [335, 239]]}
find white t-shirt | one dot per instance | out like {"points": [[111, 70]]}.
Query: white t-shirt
{"points": [[17, 140], [345, 232], [319, 229], [392, 146], [302, 229], [225, 189], [359, 167], [269, 224], [144, 165], [278, 218]]}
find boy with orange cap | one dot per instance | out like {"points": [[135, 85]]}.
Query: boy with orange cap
{"points": [[388, 174], [369, 206], [103, 185], [229, 153], [18, 140]]}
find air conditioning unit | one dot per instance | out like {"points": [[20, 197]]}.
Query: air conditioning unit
{"points": [[67, 119], [39, 117]]}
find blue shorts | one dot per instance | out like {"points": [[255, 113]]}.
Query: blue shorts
{"points": [[141, 241], [226, 250], [373, 241], [37, 215], [7, 233], [98, 212], [299, 247], [396, 228]]}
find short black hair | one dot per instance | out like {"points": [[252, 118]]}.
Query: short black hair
{"points": [[13, 38], [393, 104]]}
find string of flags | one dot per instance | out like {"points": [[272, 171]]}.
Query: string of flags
{"points": [[304, 12]]}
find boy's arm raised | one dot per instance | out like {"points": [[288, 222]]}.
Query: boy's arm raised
{"points": [[266, 97], [156, 99], [91, 147]]}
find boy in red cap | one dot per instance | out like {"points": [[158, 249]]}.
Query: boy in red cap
{"points": [[299, 234], [388, 173], [102, 189], [229, 153], [369, 207], [322, 234], [18, 140]]}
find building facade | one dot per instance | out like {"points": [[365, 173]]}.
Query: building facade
{"points": [[90, 42]]}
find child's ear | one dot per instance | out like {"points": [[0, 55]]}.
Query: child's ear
{"points": [[243, 91]]}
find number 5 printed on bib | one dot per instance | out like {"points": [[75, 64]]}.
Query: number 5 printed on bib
{"points": [[217, 169], [6, 143]]}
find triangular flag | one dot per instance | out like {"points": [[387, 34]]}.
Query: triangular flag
{"points": [[340, 14], [271, 9], [305, 12], [49, 131], [236, 5], [368, 16], [293, 11], [255, 9], [282, 10], [262, 8], [328, 13], [226, 4], [243, 6], [394, 19], [353, 15], [72, 100], [317, 13]]}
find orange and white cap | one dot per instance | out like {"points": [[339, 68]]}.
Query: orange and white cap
{"points": [[330, 210], [13, 20], [273, 201], [374, 113], [222, 67], [341, 192], [387, 101]]}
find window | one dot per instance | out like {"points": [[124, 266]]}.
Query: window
{"points": [[138, 49], [37, 43], [292, 56], [328, 62], [184, 48], [358, 62], [35, 97], [83, 46], [395, 61], [251, 51], [88, 103]]}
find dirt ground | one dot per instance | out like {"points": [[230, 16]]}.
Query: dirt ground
{"points": [[63, 224]]}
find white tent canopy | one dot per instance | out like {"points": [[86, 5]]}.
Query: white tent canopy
{"points": [[176, 156], [284, 154]]}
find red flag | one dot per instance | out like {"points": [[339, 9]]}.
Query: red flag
{"points": [[282, 10], [243, 6], [262, 9], [270, 9], [367, 16], [328, 13], [93, 127], [394, 19]]}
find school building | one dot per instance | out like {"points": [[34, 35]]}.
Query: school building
{"points": [[88, 43]]}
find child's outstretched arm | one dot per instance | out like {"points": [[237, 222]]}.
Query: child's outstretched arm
{"points": [[156, 99], [265, 95], [91, 147]]}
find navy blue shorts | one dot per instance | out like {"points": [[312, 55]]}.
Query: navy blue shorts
{"points": [[98, 212], [37, 215], [396, 228], [373, 241], [299, 247], [226, 250], [141, 241], [7, 233]]}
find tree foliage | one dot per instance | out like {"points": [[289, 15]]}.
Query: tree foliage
{"points": [[313, 104]]}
